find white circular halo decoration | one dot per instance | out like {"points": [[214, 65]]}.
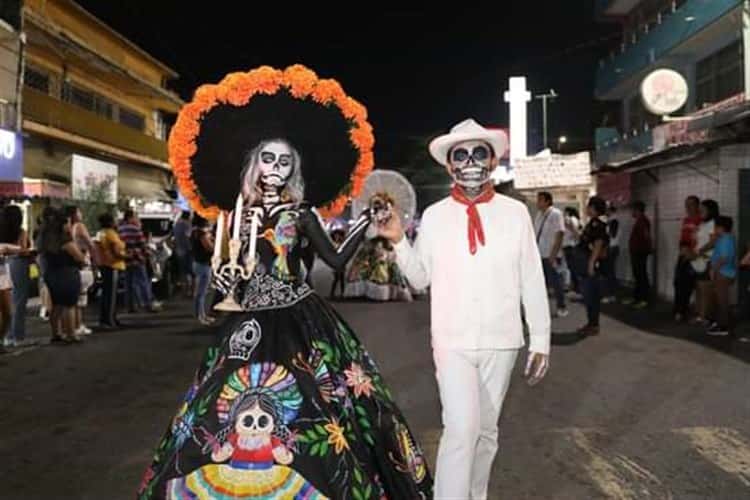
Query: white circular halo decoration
{"points": [[664, 91], [392, 183]]}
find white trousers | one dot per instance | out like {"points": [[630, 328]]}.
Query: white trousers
{"points": [[472, 387]]}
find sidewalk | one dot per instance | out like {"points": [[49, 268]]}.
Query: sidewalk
{"points": [[658, 319]]}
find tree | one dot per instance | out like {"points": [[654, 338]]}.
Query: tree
{"points": [[95, 198]]}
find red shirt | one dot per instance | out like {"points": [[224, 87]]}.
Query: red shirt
{"points": [[688, 231], [258, 455]]}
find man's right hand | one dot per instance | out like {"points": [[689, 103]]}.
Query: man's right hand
{"points": [[392, 229]]}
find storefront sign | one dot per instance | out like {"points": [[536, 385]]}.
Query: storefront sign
{"points": [[11, 156], [553, 170], [93, 179]]}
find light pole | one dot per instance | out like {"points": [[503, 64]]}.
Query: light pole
{"points": [[545, 97]]}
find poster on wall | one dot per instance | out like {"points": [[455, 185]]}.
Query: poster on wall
{"points": [[93, 178], [11, 156]]}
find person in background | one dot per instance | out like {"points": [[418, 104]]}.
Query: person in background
{"points": [[549, 228], [18, 265], [684, 274], [723, 273], [570, 241], [111, 260], [640, 246], [613, 252], [700, 260], [44, 297], [591, 252], [183, 253], [136, 277], [202, 244], [7, 248], [63, 262], [82, 238], [338, 235]]}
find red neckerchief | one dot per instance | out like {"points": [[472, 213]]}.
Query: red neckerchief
{"points": [[476, 232]]}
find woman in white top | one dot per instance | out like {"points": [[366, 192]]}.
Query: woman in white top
{"points": [[8, 247], [570, 241], [701, 258]]}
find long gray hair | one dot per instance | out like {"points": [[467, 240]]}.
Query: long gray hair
{"points": [[294, 191]]}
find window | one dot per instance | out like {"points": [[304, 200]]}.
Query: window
{"points": [[132, 119], [88, 100], [37, 79], [719, 76]]}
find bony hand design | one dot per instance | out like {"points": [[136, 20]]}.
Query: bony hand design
{"points": [[537, 365]]}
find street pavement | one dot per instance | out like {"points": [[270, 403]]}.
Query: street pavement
{"points": [[633, 414]]}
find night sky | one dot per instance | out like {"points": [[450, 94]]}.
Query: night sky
{"points": [[418, 69]]}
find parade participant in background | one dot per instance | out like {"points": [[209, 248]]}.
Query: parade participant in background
{"points": [[62, 274], [549, 228], [700, 260], [723, 274], [82, 238], [640, 246], [288, 404], [8, 247], [18, 266], [590, 255], [138, 284], [111, 255], [610, 284], [202, 244], [684, 274], [570, 242], [477, 250], [338, 232], [183, 253]]}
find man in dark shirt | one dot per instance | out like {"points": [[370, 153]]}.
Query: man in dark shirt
{"points": [[641, 247], [184, 252]]}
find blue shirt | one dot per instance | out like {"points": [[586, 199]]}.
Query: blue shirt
{"points": [[725, 249]]}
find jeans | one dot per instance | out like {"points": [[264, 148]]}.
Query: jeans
{"points": [[108, 306], [552, 278], [642, 291], [202, 274], [610, 272], [19, 274], [592, 296], [684, 285], [570, 261], [722, 285], [138, 285]]}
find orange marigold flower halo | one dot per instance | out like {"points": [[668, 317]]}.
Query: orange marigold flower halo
{"points": [[214, 133]]}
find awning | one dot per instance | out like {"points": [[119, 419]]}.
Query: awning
{"points": [[35, 188]]}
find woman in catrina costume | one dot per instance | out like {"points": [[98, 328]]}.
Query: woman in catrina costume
{"points": [[288, 404]]}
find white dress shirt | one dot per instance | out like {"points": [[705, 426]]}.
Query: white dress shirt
{"points": [[547, 226], [476, 299]]}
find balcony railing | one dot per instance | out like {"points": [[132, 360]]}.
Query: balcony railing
{"points": [[46, 110], [612, 147], [655, 41]]}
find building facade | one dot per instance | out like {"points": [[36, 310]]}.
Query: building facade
{"points": [[95, 109], [639, 156]]}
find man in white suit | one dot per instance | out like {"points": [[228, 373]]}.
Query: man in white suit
{"points": [[477, 251]]}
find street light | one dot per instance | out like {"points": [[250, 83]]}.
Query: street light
{"points": [[563, 139], [545, 97]]}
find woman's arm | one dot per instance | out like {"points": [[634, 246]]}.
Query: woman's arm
{"points": [[75, 252], [596, 252], [336, 257], [9, 249]]}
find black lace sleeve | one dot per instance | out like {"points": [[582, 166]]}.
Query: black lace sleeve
{"points": [[336, 257]]}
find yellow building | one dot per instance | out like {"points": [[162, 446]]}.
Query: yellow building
{"points": [[94, 105]]}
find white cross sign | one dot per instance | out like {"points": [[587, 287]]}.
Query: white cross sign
{"points": [[518, 97]]}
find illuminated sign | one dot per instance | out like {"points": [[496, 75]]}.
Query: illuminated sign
{"points": [[11, 156]]}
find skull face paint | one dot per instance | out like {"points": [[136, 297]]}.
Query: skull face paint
{"points": [[471, 163], [381, 208], [254, 423], [276, 163]]}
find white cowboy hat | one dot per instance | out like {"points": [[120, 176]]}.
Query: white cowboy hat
{"points": [[468, 130]]}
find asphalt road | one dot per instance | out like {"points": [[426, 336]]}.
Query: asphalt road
{"points": [[631, 414]]}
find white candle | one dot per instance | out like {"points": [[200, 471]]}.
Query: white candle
{"points": [[253, 237], [237, 218], [219, 235]]}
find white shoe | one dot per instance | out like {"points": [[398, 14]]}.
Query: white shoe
{"points": [[83, 330], [25, 343], [562, 313], [609, 300], [9, 342]]}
